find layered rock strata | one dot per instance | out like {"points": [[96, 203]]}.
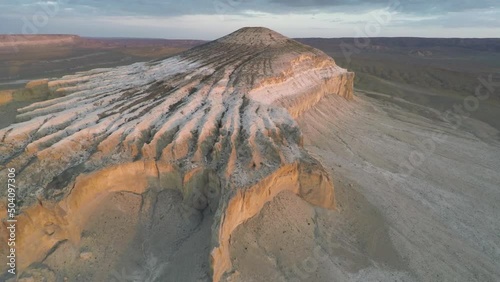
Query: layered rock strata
{"points": [[215, 123]]}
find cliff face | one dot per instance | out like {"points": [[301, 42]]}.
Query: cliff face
{"points": [[215, 123]]}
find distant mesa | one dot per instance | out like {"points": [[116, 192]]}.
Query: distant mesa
{"points": [[22, 40], [215, 123]]}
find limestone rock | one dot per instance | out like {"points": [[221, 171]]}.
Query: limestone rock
{"points": [[215, 122]]}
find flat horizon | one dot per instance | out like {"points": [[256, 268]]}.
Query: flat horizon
{"points": [[198, 39]]}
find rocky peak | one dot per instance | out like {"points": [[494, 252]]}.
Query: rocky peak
{"points": [[255, 36]]}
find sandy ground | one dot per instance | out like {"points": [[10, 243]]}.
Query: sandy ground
{"points": [[442, 216], [147, 238], [439, 222]]}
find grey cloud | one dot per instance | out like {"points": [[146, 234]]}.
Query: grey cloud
{"points": [[471, 19], [406, 6], [446, 13], [189, 7]]}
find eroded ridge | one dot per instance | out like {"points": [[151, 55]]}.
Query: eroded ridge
{"points": [[215, 122]]}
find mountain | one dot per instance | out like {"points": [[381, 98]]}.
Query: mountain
{"points": [[214, 126]]}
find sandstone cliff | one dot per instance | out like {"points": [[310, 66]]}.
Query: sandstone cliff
{"points": [[215, 123]]}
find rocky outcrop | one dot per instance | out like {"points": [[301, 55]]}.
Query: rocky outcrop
{"points": [[215, 123], [33, 91]]}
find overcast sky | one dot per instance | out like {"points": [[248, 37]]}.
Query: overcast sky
{"points": [[209, 19]]}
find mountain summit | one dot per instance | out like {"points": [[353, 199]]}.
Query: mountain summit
{"points": [[255, 36], [215, 124]]}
